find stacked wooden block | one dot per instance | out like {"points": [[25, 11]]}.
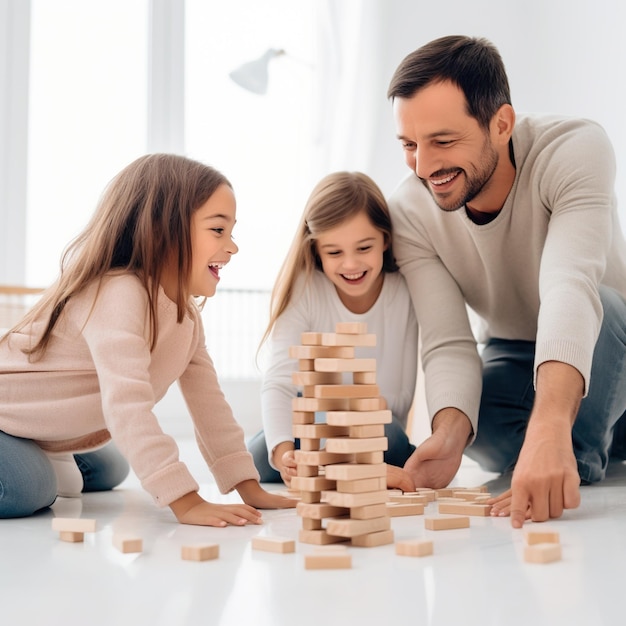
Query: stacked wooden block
{"points": [[343, 484]]}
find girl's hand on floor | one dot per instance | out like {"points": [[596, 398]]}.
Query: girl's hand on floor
{"points": [[192, 509]]}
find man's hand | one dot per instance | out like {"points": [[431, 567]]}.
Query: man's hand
{"points": [[436, 461], [283, 457], [545, 479]]}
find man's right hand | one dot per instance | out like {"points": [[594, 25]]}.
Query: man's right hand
{"points": [[436, 461]]}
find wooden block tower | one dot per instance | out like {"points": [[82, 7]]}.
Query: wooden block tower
{"points": [[343, 485]]}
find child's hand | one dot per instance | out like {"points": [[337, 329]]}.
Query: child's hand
{"points": [[192, 509], [284, 458], [288, 467], [253, 494]]}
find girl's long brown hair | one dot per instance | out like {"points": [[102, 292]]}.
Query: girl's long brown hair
{"points": [[336, 198], [142, 220]]}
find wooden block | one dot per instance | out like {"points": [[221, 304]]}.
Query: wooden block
{"points": [[306, 365], [367, 404], [344, 364], [354, 499], [364, 378], [318, 537], [542, 553], [355, 527], [303, 417], [317, 431], [463, 508], [534, 537], [205, 552], [307, 470], [319, 510], [312, 483], [355, 471], [273, 544], [310, 444], [303, 379], [444, 493], [347, 391], [74, 524], [308, 523], [414, 548], [373, 458], [345, 444], [362, 485], [351, 328], [365, 431], [128, 544], [320, 457], [71, 537], [446, 523], [311, 339], [311, 497], [368, 511], [357, 418], [321, 352], [471, 496], [319, 404], [371, 540], [408, 498], [328, 560], [429, 494], [348, 339], [395, 509]]}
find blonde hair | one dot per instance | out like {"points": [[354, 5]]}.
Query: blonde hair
{"points": [[336, 198], [142, 220]]}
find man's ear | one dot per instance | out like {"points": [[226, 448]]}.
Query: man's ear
{"points": [[502, 124]]}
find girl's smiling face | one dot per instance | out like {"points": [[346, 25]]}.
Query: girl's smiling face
{"points": [[212, 244], [352, 259]]}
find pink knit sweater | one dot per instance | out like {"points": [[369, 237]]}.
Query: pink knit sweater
{"points": [[98, 380]]}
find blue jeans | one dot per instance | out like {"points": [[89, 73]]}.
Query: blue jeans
{"points": [[599, 432], [28, 483], [399, 449]]}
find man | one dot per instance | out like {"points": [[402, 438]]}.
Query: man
{"points": [[515, 219]]}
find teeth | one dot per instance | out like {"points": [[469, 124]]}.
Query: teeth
{"points": [[218, 266], [443, 181], [353, 276]]}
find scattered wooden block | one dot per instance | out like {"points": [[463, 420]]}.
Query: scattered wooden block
{"points": [[542, 553], [414, 548], [463, 508], [74, 524], [446, 523], [371, 540], [71, 537], [205, 552], [396, 509], [534, 537], [408, 498], [328, 560], [128, 544], [273, 544]]}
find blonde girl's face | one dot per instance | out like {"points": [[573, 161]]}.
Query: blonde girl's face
{"points": [[212, 244], [352, 259]]}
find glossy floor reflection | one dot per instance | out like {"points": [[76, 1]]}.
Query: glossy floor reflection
{"points": [[476, 575]]}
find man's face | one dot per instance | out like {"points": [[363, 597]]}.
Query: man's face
{"points": [[445, 146]]}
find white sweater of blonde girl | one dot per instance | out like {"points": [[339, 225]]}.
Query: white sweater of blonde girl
{"points": [[316, 307]]}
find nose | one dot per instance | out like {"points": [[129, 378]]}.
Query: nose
{"points": [[232, 247]]}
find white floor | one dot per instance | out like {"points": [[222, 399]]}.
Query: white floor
{"points": [[476, 575]]}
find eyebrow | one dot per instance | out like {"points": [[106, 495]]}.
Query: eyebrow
{"points": [[336, 245], [439, 133], [217, 216]]}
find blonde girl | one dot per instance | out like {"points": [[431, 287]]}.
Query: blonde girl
{"points": [[121, 324], [339, 268]]}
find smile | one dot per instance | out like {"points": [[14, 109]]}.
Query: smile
{"points": [[353, 276], [443, 181]]}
